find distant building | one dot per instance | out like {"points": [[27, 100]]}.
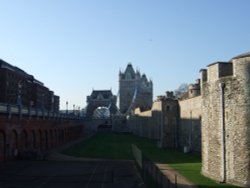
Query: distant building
{"points": [[135, 90], [19, 88]]}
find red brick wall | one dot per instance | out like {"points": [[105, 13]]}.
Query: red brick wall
{"points": [[35, 134]]}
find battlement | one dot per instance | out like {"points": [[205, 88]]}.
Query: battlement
{"points": [[194, 89], [215, 71], [241, 65], [225, 118], [238, 66]]}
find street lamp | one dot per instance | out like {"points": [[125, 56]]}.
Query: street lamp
{"points": [[67, 107]]}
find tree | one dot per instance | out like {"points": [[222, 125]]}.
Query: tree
{"points": [[181, 91]]}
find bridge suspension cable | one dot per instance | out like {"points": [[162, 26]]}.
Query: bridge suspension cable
{"points": [[132, 102]]}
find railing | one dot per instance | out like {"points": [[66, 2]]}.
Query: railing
{"points": [[150, 171], [10, 110]]}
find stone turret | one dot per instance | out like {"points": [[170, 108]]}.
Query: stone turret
{"points": [[226, 121], [194, 89]]}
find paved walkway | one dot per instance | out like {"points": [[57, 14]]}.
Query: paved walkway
{"points": [[175, 176]]}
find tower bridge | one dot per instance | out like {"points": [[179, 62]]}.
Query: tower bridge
{"points": [[135, 91], [188, 122], [98, 101]]}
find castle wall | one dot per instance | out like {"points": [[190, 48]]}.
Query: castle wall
{"points": [[147, 123], [217, 123], [225, 122], [190, 123], [169, 126], [159, 123]]}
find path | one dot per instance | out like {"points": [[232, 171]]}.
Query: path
{"points": [[175, 176], [169, 172], [62, 171]]}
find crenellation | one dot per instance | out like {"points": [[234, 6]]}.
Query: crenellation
{"points": [[225, 69], [194, 89], [170, 94], [214, 120], [203, 75], [226, 117]]}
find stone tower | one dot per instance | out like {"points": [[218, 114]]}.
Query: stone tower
{"points": [[135, 90], [225, 89]]}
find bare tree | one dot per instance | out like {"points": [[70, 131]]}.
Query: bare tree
{"points": [[181, 91]]}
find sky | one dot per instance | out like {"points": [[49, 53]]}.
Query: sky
{"points": [[75, 46]]}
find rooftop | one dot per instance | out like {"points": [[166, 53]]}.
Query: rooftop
{"points": [[242, 56]]}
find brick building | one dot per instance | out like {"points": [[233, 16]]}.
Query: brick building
{"points": [[20, 88]]}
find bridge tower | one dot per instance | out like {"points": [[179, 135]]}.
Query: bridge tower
{"points": [[101, 98], [135, 90]]}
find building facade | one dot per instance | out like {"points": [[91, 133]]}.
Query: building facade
{"points": [[135, 90], [20, 88]]}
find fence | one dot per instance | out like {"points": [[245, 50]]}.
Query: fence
{"points": [[151, 171], [27, 111]]}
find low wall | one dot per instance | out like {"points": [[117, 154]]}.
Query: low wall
{"points": [[150, 170], [92, 125], [148, 123]]}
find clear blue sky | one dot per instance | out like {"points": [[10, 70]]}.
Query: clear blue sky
{"points": [[74, 46]]}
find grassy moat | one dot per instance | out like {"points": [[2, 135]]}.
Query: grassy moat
{"points": [[118, 146]]}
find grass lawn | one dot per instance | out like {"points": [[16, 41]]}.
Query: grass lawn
{"points": [[118, 146]]}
